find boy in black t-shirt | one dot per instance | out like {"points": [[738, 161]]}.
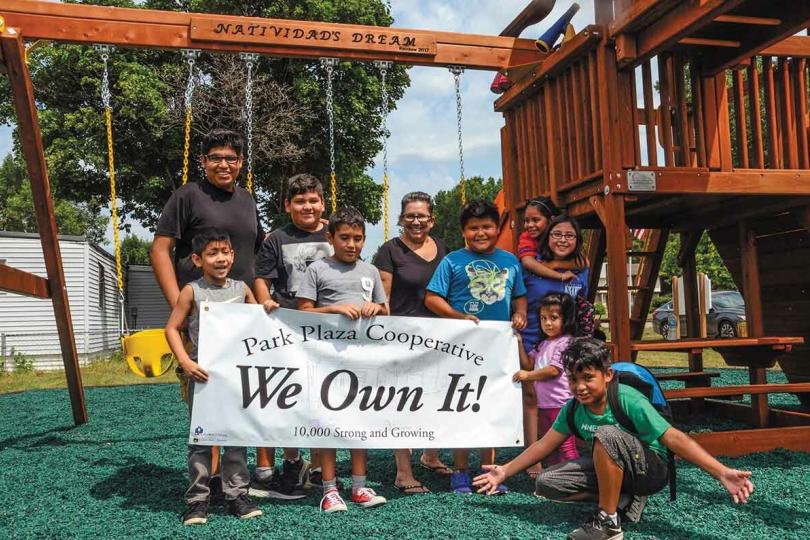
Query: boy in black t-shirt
{"points": [[215, 201], [281, 263]]}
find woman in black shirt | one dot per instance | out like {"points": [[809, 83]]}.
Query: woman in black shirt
{"points": [[406, 264]]}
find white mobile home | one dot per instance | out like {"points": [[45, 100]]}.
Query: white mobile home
{"points": [[27, 325]]}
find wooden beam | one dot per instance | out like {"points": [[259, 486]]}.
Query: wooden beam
{"points": [[752, 389], [682, 21], [556, 62], [742, 19], [736, 182], [125, 27], [743, 442], [756, 38], [795, 46], [709, 42], [636, 14], [685, 345], [22, 92], [20, 282]]}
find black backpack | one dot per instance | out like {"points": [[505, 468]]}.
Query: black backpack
{"points": [[644, 381]]}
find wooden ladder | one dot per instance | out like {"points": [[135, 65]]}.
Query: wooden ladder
{"points": [[650, 256]]}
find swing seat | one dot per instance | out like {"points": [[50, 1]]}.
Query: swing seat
{"points": [[147, 352]]}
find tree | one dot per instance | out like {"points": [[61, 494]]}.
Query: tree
{"points": [[448, 206], [147, 89], [17, 207], [135, 251], [707, 260]]}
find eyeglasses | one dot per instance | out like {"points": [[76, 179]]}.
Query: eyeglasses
{"points": [[214, 158], [557, 235], [416, 217]]}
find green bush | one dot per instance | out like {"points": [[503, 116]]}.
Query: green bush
{"points": [[22, 363], [660, 300]]}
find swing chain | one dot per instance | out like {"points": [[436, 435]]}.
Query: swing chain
{"points": [[191, 56], [250, 59], [329, 64], [104, 51], [457, 71], [384, 66]]}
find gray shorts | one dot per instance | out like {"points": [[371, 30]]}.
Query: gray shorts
{"points": [[645, 472]]}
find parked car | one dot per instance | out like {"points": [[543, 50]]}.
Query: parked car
{"points": [[723, 321]]}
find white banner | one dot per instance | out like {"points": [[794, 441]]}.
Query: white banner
{"points": [[305, 380]]}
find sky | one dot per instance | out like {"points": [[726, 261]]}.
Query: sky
{"points": [[423, 146]]}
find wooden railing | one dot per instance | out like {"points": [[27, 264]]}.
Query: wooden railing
{"points": [[760, 123], [553, 123], [743, 120]]}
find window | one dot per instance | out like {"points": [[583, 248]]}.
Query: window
{"points": [[102, 286]]}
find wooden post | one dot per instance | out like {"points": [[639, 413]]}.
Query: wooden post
{"points": [[686, 259], [702, 307], [676, 305], [31, 142], [618, 304], [753, 315]]}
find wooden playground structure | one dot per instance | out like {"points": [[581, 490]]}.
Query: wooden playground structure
{"points": [[726, 133]]}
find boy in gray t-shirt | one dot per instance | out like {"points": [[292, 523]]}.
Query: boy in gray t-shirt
{"points": [[343, 284]]}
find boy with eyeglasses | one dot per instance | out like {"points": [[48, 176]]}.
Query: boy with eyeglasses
{"points": [[215, 201]]}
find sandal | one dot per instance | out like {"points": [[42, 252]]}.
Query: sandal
{"points": [[533, 474], [412, 489], [441, 470]]}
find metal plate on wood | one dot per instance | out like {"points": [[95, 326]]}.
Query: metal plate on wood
{"points": [[641, 180], [312, 34]]}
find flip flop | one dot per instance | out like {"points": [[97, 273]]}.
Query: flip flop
{"points": [[412, 489], [441, 470]]}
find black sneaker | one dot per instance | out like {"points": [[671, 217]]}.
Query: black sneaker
{"points": [[631, 507], [294, 473], [316, 480], [280, 489], [599, 528], [216, 495], [243, 508], [261, 488], [196, 514]]}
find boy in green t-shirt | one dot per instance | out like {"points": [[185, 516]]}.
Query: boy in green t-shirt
{"points": [[625, 468]]}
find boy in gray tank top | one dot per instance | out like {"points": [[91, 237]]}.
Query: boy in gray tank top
{"points": [[213, 253]]}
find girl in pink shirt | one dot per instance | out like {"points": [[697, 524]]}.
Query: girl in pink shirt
{"points": [[557, 328]]}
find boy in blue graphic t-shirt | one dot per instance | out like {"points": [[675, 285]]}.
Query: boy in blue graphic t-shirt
{"points": [[480, 283]]}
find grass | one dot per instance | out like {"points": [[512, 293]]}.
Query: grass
{"points": [[123, 475], [111, 371]]}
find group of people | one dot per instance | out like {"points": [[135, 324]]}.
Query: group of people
{"points": [[221, 253]]}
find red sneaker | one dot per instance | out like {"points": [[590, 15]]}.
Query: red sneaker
{"points": [[367, 498], [332, 502]]}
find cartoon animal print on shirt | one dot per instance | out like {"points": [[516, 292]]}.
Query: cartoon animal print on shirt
{"points": [[487, 281]]}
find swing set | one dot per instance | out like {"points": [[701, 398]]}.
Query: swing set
{"points": [[192, 34], [147, 352]]}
